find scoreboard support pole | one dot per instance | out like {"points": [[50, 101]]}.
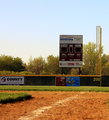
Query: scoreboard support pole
{"points": [[80, 72], [62, 70]]}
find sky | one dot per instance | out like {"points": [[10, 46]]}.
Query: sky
{"points": [[31, 28]]}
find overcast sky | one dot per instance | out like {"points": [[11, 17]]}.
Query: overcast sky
{"points": [[31, 28]]}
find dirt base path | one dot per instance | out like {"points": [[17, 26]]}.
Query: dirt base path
{"points": [[58, 106]]}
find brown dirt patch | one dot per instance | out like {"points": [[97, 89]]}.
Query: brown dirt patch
{"points": [[86, 106]]}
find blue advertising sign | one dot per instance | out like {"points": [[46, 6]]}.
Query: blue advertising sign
{"points": [[72, 81]]}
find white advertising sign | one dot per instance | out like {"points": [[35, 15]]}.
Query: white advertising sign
{"points": [[70, 63], [5, 80]]}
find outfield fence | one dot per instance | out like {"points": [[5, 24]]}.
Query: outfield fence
{"points": [[58, 80]]}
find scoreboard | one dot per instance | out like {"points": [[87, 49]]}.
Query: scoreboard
{"points": [[71, 51]]}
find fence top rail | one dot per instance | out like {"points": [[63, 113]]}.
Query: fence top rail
{"points": [[53, 75]]}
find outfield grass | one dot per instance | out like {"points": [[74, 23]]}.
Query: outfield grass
{"points": [[13, 97], [55, 88]]}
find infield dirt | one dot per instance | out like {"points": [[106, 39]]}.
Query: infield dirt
{"points": [[58, 106]]}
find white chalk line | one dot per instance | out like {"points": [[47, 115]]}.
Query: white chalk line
{"points": [[41, 110]]}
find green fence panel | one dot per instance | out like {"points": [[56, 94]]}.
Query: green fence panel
{"points": [[39, 80], [89, 81], [105, 80]]}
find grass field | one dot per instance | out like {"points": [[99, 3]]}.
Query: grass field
{"points": [[13, 97], [55, 88]]}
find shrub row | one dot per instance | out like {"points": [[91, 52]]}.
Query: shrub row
{"points": [[15, 73]]}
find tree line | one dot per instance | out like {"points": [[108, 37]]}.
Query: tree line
{"points": [[50, 66]]}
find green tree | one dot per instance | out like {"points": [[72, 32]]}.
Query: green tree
{"points": [[105, 64], [18, 64], [36, 65], [75, 71], [52, 65], [10, 63], [90, 56]]}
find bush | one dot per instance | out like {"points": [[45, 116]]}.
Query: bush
{"points": [[15, 73]]}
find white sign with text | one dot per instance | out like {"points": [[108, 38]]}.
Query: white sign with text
{"points": [[5, 80]]}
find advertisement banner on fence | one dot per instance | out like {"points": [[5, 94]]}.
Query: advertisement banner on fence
{"points": [[60, 81], [5, 80], [72, 81]]}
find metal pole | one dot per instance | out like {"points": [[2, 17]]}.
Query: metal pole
{"points": [[100, 56], [79, 71], [99, 50]]}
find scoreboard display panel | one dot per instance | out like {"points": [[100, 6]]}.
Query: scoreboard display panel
{"points": [[71, 51]]}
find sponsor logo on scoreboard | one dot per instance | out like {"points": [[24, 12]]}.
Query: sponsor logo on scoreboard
{"points": [[70, 64]]}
